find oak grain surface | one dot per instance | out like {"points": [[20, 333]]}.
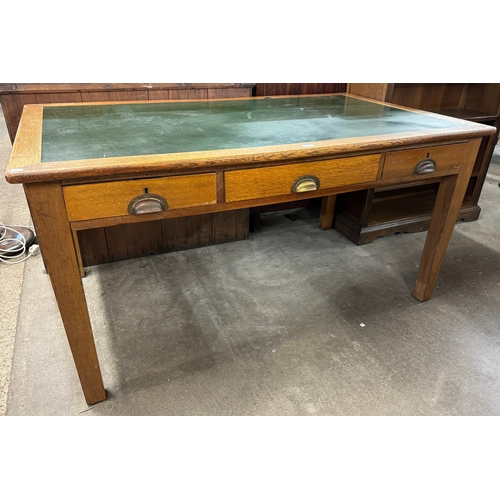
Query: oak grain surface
{"points": [[111, 199], [402, 163], [221, 180], [274, 181], [56, 242]]}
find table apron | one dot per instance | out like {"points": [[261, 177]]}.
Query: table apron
{"points": [[222, 207]]}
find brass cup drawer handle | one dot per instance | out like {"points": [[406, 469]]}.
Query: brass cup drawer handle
{"points": [[147, 204], [425, 166], [305, 184]]}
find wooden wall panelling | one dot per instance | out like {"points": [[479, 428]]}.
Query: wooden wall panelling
{"points": [[60, 97], [188, 232], [454, 95], [274, 89], [485, 154], [129, 241], [484, 97], [234, 93], [408, 95], [93, 246], [12, 105], [429, 96], [37, 88], [323, 88], [378, 91], [178, 94], [158, 95], [270, 89], [123, 95], [92, 87], [231, 226]]}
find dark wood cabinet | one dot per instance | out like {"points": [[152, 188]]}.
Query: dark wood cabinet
{"points": [[365, 215], [270, 89]]}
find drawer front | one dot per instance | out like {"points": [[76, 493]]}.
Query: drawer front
{"points": [[111, 199], [403, 163], [268, 182]]}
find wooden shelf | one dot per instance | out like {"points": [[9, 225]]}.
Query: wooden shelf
{"points": [[402, 206], [469, 114], [399, 214], [364, 216]]}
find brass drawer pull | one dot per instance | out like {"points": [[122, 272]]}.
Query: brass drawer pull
{"points": [[305, 184], [425, 166], [147, 204]]}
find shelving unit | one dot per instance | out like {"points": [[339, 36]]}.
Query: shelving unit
{"points": [[364, 216]]}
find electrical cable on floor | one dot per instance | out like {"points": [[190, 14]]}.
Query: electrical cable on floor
{"points": [[16, 247]]}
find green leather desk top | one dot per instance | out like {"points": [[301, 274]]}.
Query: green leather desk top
{"points": [[116, 130]]}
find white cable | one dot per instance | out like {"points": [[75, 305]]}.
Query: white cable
{"points": [[14, 259]]}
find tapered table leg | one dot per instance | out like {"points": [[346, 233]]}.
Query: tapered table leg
{"points": [[444, 217], [54, 234], [327, 211]]}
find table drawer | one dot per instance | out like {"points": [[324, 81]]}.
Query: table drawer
{"points": [[112, 199], [403, 163], [267, 182]]}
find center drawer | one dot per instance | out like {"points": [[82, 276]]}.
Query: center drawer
{"points": [[113, 199], [267, 182]]}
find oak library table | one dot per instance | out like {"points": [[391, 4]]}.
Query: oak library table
{"points": [[102, 164]]}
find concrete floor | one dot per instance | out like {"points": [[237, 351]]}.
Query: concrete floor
{"points": [[13, 211], [274, 326]]}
